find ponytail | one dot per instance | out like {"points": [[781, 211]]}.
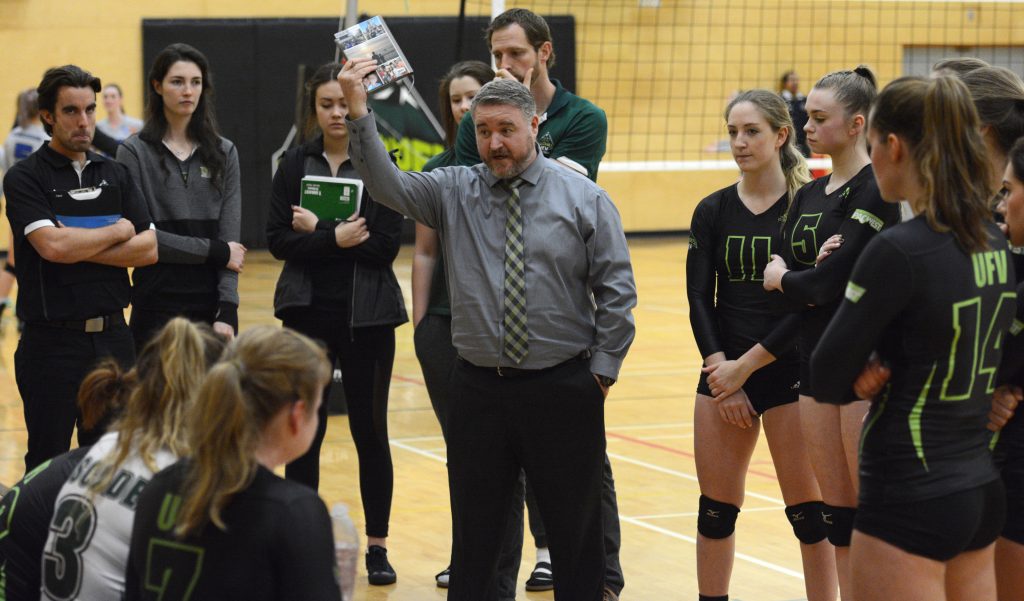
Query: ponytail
{"points": [[223, 437], [794, 166], [937, 121], [104, 392], [262, 372], [774, 110], [167, 372]]}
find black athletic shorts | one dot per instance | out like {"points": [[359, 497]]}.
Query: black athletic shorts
{"points": [[939, 528], [1009, 455], [771, 386]]}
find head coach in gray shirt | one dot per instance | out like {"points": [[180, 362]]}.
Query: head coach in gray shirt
{"points": [[542, 294]]}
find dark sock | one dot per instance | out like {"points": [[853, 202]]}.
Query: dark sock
{"points": [[707, 598]]}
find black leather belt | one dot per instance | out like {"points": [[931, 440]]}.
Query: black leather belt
{"points": [[515, 372], [93, 325]]}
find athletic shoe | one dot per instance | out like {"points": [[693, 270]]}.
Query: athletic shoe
{"points": [[378, 570], [541, 578], [443, 576]]}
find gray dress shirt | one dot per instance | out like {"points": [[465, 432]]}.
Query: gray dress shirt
{"points": [[579, 281]]}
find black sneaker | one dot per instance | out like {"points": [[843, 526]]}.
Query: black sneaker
{"points": [[443, 577], [541, 578], [378, 570]]}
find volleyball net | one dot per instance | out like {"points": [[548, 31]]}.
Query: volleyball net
{"points": [[663, 70]]}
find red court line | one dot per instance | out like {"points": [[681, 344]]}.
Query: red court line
{"points": [[407, 380], [674, 451]]}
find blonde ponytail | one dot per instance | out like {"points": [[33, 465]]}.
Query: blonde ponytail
{"points": [[168, 373], [262, 371]]}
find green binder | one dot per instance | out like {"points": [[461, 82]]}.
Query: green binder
{"points": [[331, 198]]}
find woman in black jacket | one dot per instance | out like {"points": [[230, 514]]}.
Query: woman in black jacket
{"points": [[337, 286]]}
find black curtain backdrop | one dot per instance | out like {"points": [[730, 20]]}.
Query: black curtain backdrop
{"points": [[255, 62]]}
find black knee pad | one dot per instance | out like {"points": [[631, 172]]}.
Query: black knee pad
{"points": [[838, 523], [10, 269], [806, 520], [716, 519]]}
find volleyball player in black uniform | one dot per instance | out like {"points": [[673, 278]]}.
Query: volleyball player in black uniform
{"points": [[934, 298], [846, 203], [30, 501], [221, 525], [1008, 443], [733, 233]]}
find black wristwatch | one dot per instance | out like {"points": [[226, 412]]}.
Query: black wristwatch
{"points": [[605, 380]]}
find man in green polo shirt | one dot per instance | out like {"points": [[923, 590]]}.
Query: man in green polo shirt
{"points": [[573, 131]]}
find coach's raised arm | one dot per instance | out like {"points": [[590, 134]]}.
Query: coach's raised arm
{"points": [[416, 195]]}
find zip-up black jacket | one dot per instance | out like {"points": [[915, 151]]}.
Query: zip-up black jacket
{"points": [[374, 296]]}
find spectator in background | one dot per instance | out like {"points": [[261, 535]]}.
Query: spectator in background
{"points": [[789, 89], [26, 137], [338, 287], [189, 177], [117, 125]]}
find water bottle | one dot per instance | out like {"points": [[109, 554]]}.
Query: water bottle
{"points": [[346, 549]]}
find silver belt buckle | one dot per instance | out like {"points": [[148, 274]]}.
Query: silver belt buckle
{"points": [[94, 325], [500, 375]]}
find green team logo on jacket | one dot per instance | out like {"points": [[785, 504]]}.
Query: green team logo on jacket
{"points": [[546, 143]]}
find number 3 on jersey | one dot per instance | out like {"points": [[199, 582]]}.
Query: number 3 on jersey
{"points": [[747, 264], [73, 525], [804, 242]]}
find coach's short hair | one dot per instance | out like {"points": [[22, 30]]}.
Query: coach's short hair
{"points": [[508, 92], [56, 78], [536, 28]]}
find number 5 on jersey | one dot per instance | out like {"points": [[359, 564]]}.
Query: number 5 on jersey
{"points": [[804, 240]]}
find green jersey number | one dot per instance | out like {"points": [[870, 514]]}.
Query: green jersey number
{"points": [[804, 240], [974, 351], [72, 529], [744, 264], [172, 569]]}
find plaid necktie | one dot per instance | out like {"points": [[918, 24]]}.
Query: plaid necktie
{"points": [[515, 342]]}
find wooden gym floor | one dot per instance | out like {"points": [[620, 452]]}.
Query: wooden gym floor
{"points": [[649, 417]]}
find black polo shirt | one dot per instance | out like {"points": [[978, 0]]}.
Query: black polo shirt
{"points": [[37, 190]]}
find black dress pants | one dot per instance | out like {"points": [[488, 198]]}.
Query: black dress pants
{"points": [[437, 356], [49, 366], [550, 425]]}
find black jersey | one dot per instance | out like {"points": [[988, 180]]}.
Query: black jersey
{"points": [[937, 316], [25, 514], [1009, 442], [729, 248], [278, 545], [855, 210]]}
